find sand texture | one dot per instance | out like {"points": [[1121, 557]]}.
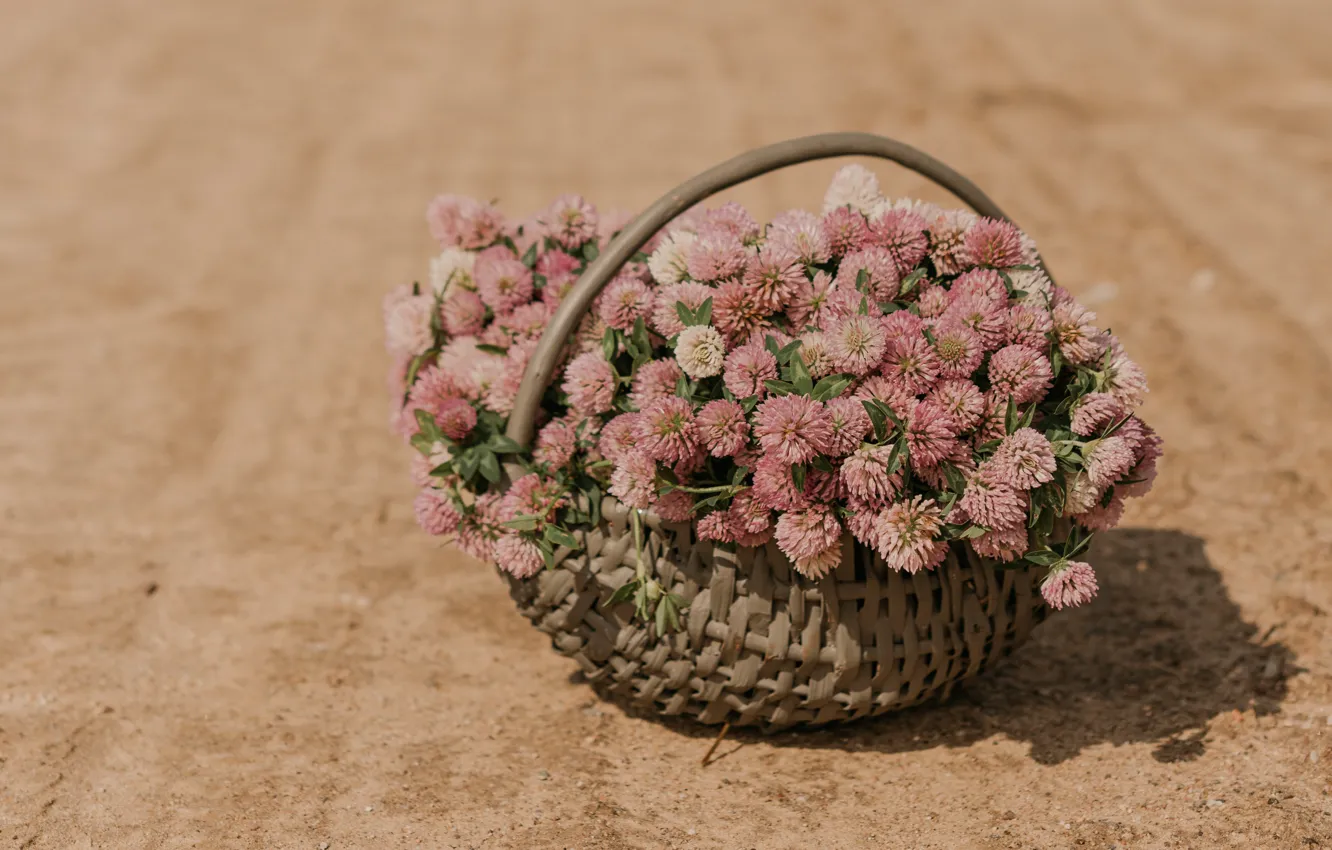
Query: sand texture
{"points": [[219, 624]]}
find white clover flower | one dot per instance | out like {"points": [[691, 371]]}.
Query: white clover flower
{"points": [[407, 328], [701, 351], [1034, 282], [453, 265], [667, 263], [854, 186], [924, 209]]}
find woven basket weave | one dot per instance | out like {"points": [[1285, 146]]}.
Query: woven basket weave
{"points": [[761, 644]]}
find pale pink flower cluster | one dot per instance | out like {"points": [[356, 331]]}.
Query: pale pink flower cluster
{"points": [[887, 369]]}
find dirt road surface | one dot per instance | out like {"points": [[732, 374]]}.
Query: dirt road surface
{"points": [[219, 626]]}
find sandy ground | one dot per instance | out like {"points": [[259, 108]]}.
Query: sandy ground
{"points": [[219, 626]]}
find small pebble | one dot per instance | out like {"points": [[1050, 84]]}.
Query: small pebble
{"points": [[693, 831], [1215, 804], [369, 808], [1203, 280], [323, 845], [543, 775], [1313, 756]]}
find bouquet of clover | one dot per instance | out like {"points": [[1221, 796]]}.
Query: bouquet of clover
{"points": [[886, 368]]}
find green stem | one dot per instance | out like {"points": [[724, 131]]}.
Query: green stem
{"points": [[703, 491], [640, 568]]}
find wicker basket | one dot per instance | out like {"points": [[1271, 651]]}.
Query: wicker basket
{"points": [[762, 645]]}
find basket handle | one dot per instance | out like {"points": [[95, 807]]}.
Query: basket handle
{"points": [[570, 312]]}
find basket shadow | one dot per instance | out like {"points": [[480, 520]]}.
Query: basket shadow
{"points": [[1161, 652]]}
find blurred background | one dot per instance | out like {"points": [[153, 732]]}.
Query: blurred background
{"points": [[219, 626]]}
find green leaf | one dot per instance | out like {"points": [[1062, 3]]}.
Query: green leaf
{"points": [[526, 522], [876, 416], [946, 506], [492, 349], [1046, 526], [749, 403], [1042, 558], [798, 475], [416, 365], [591, 251], [715, 499], [427, 424], [529, 256], [770, 343], [504, 445], [641, 602], [787, 351], [609, 344], [467, 464], [863, 309], [682, 387], [490, 467], [929, 336], [988, 446], [804, 384], [642, 345], [668, 610], [895, 458], [1056, 362], [831, 387], [560, 537], [738, 474], [623, 593], [822, 464], [779, 387], [422, 444], [594, 502], [957, 482], [686, 315], [1115, 426], [631, 347], [443, 470], [703, 315], [1079, 547], [1027, 417], [889, 413], [1011, 417], [972, 532], [1107, 497], [909, 282], [862, 278]]}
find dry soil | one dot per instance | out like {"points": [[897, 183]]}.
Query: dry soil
{"points": [[219, 626]]}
